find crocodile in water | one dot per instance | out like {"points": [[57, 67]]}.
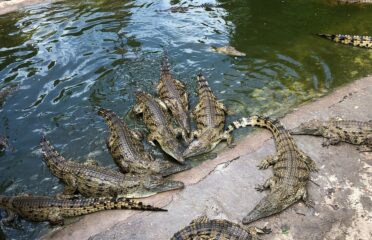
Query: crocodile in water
{"points": [[3, 143], [335, 131], [210, 118], [158, 121], [205, 229], [291, 170], [6, 91], [173, 93], [95, 181], [180, 9], [128, 152], [42, 208], [353, 40]]}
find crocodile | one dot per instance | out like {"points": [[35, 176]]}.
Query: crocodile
{"points": [[229, 50], [3, 143], [172, 92], [205, 229], [335, 130], [91, 180], [291, 168], [210, 119], [128, 152], [158, 121], [53, 210], [181, 9], [353, 40], [6, 91]]}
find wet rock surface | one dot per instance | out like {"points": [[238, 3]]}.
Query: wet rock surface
{"points": [[224, 187]]}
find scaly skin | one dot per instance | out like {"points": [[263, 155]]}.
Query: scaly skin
{"points": [[185, 9], [6, 91], [203, 228], [210, 118], [353, 40], [42, 208], [3, 143], [128, 152], [291, 170], [172, 92], [159, 123], [335, 131], [94, 181]]}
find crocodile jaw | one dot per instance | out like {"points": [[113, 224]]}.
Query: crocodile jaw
{"points": [[200, 146], [313, 127]]}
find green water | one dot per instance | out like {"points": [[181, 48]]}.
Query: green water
{"points": [[70, 57]]}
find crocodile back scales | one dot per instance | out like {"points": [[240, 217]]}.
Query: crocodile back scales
{"points": [[213, 229]]}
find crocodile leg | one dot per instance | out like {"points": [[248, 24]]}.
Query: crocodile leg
{"points": [[138, 108], [55, 218], [91, 162], [151, 138], [364, 148], [308, 161], [228, 137], [70, 188], [269, 184], [331, 138], [220, 105], [137, 134], [269, 160], [162, 104], [9, 218]]}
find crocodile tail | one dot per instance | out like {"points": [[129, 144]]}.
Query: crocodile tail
{"points": [[165, 66], [354, 40], [125, 203], [51, 156], [265, 122], [203, 86]]}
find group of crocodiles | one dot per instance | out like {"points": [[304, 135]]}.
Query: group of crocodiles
{"points": [[142, 175]]}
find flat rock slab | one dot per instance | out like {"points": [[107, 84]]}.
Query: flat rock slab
{"points": [[224, 187]]}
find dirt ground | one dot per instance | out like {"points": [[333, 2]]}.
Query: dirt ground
{"points": [[224, 187]]}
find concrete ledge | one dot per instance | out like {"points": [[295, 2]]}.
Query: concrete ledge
{"points": [[224, 187], [14, 5]]}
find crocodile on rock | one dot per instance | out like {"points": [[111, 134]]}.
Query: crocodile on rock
{"points": [[128, 151], [203, 228], [353, 40], [335, 131], [91, 180], [173, 93], [291, 170], [42, 208], [158, 121], [210, 118]]}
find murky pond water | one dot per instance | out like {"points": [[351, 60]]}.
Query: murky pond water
{"points": [[70, 57]]}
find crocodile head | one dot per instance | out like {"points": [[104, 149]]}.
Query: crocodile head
{"points": [[313, 127], [171, 146], [206, 142], [154, 184], [276, 201]]}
